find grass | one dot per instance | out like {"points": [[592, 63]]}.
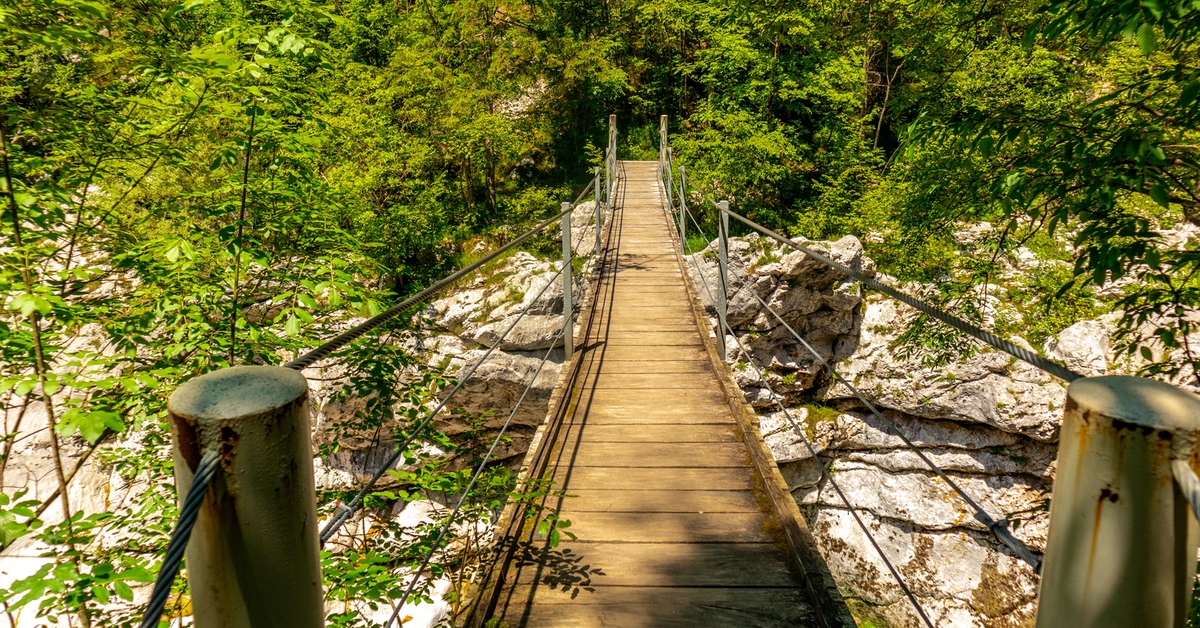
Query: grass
{"points": [[695, 243], [818, 414]]}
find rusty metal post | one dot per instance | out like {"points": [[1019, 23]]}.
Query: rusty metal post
{"points": [[1121, 551], [599, 214], [723, 275], [568, 304], [253, 559]]}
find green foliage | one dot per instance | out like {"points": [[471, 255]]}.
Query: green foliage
{"points": [[192, 185]]}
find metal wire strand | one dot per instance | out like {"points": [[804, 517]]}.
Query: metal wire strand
{"points": [[999, 529], [470, 485], [824, 469], [345, 511], [1053, 368], [205, 472], [357, 332]]}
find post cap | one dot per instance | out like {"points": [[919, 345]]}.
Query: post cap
{"points": [[1138, 400], [235, 392]]}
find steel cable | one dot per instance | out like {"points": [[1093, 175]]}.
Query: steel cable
{"points": [[1053, 368], [345, 511], [999, 529], [824, 469], [205, 472], [355, 333], [470, 485]]}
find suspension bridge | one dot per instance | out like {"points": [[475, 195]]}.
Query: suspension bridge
{"points": [[678, 513]]}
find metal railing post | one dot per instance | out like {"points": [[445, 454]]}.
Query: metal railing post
{"points": [[682, 210], [722, 275], [599, 214], [611, 166], [253, 559], [670, 181], [662, 143], [568, 304], [1121, 550]]}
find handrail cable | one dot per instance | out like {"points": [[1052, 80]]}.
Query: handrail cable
{"points": [[824, 470], [998, 528], [345, 511], [355, 333], [1051, 367], [470, 485], [205, 472]]}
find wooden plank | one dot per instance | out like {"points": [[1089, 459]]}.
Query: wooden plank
{"points": [[661, 455], [654, 381], [670, 527], [655, 340], [668, 366], [644, 415], [661, 501], [653, 353], [726, 609], [625, 479], [650, 399], [670, 564], [650, 433]]}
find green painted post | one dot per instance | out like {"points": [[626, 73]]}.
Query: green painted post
{"points": [[253, 559], [1121, 551]]}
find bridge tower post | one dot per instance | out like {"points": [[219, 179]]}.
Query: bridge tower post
{"points": [[1121, 551], [722, 275], [568, 304], [253, 558]]}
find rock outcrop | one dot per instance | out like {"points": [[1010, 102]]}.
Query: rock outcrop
{"points": [[988, 421]]}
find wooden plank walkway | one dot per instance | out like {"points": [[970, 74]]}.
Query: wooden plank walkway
{"points": [[673, 526]]}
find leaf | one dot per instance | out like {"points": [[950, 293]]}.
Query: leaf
{"points": [[292, 327], [1190, 93], [1146, 39], [1160, 195], [123, 591]]}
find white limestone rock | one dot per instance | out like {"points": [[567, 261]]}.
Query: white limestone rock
{"points": [[1083, 347]]}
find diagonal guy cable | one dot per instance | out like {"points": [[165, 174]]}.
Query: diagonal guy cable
{"points": [[998, 529], [348, 509], [1049, 366], [358, 331], [474, 478], [824, 469]]}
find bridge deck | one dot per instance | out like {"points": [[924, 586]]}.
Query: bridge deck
{"points": [[673, 527]]}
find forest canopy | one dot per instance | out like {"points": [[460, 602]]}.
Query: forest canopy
{"points": [[213, 182]]}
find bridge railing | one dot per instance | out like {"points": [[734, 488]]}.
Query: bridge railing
{"points": [[1124, 529], [244, 472]]}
